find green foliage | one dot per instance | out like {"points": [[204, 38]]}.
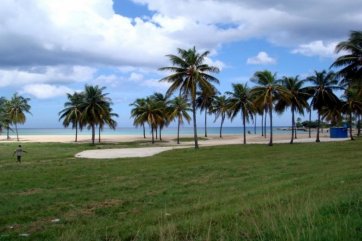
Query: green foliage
{"points": [[89, 108], [190, 74], [235, 192]]}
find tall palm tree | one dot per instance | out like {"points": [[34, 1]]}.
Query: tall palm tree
{"points": [[323, 84], [204, 101], [297, 101], [190, 74], [241, 101], [179, 110], [220, 107], [138, 107], [95, 107], [267, 91], [71, 114], [350, 62], [17, 108]]}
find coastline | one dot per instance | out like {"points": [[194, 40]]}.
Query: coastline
{"points": [[170, 139]]}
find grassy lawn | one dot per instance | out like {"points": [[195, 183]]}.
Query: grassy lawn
{"points": [[252, 192]]}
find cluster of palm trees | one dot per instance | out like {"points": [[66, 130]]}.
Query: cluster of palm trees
{"points": [[158, 111], [13, 112], [191, 79], [90, 108]]}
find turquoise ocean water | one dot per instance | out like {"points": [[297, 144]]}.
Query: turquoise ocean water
{"points": [[138, 131]]}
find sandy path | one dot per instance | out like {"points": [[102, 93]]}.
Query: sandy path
{"points": [[227, 140], [124, 152]]}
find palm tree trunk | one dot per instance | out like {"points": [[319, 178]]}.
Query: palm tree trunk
{"points": [[155, 129], [255, 124], [8, 133], [271, 123], [359, 125], [93, 133], [194, 120], [153, 137], [205, 123], [144, 130], [178, 131], [160, 134], [16, 129], [222, 122], [293, 124], [266, 111], [76, 132], [318, 124], [244, 128], [310, 120], [262, 124], [99, 134], [350, 125]]}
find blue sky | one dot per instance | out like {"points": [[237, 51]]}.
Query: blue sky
{"points": [[50, 48]]}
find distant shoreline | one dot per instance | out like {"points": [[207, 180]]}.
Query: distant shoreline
{"points": [[167, 138]]}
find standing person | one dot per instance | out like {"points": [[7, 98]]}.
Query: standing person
{"points": [[19, 152]]}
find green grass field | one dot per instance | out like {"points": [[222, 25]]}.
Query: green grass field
{"points": [[236, 192]]}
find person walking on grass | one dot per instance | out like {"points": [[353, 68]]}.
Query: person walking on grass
{"points": [[19, 153]]}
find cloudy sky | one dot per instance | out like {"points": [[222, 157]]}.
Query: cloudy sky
{"points": [[49, 47]]}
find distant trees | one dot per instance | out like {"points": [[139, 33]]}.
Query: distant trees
{"points": [[267, 91], [323, 84], [297, 99], [192, 80], [179, 111], [241, 101], [72, 113], [221, 108], [90, 108], [5, 121], [14, 112]]}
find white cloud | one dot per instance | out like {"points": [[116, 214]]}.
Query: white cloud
{"points": [[89, 32], [141, 80], [46, 75], [261, 58], [317, 48], [46, 91]]}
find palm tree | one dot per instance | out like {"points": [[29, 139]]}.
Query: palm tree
{"points": [[153, 114], [204, 101], [297, 101], [5, 121], [178, 110], [267, 91], [72, 113], [220, 107], [107, 120], [163, 105], [352, 104], [350, 62], [138, 106], [17, 107], [323, 84], [240, 100], [190, 74], [95, 107]]}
